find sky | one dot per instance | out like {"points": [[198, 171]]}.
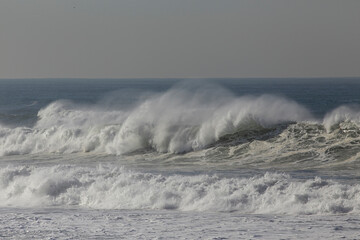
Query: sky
{"points": [[179, 38]]}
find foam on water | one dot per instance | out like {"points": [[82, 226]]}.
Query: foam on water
{"points": [[118, 188]]}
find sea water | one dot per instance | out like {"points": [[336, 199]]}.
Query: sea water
{"points": [[182, 159]]}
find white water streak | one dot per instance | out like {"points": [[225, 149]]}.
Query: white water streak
{"points": [[117, 188]]}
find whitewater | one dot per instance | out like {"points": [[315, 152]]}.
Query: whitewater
{"points": [[168, 158]]}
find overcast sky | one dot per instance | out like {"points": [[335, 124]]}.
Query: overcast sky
{"points": [[179, 38]]}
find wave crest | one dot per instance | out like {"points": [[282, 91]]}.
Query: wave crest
{"points": [[177, 121], [340, 115]]}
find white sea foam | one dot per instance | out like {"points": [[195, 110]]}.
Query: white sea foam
{"points": [[118, 188], [177, 121]]}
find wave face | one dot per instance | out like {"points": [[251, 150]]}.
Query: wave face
{"points": [[180, 120], [117, 188]]}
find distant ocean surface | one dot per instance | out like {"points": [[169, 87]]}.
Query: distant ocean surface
{"points": [[182, 159]]}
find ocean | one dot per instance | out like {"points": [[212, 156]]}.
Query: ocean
{"points": [[180, 159]]}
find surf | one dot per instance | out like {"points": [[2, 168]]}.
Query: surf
{"points": [[259, 130], [109, 187]]}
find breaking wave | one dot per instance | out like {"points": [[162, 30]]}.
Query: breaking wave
{"points": [[176, 121], [117, 188], [340, 115], [183, 120]]}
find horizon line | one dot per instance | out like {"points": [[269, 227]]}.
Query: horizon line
{"points": [[173, 78]]}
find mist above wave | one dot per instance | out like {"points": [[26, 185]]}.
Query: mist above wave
{"points": [[185, 118]]}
